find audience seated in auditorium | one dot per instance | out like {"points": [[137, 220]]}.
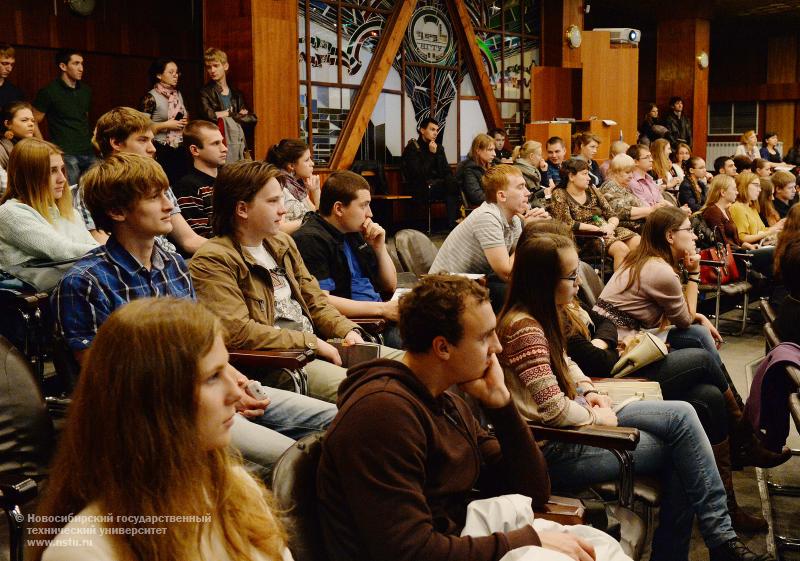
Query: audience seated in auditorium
{"points": [[586, 145], [787, 266], [583, 208], [301, 188], [679, 157], [424, 165], [742, 163], [165, 107], [8, 91], [252, 276], [501, 155], [403, 455], [679, 125], [528, 158], [123, 453], [549, 388], [66, 102], [220, 100], [346, 252], [483, 243], [470, 171], [724, 165], [617, 147], [630, 210], [769, 148], [127, 196], [745, 212], [785, 184], [748, 145], [793, 155], [37, 221], [692, 191], [18, 123], [556, 152], [205, 145], [126, 131]]}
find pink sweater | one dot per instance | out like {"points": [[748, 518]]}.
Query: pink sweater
{"points": [[657, 295]]}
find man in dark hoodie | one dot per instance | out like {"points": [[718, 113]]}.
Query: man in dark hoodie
{"points": [[401, 458]]}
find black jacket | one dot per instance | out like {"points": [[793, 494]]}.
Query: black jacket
{"points": [[680, 128], [211, 100], [594, 361], [322, 247], [468, 177], [420, 167], [686, 194]]}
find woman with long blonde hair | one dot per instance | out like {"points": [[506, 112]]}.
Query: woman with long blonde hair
{"points": [[662, 168], [37, 220], [745, 212], [147, 440]]}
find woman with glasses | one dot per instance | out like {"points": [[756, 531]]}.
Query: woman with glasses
{"points": [[692, 191], [745, 212], [549, 388], [164, 104]]}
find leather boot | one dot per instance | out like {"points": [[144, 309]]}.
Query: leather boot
{"points": [[732, 388], [746, 447], [735, 550], [742, 521]]}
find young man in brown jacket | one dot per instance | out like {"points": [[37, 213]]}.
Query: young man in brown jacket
{"points": [[403, 454], [252, 276]]}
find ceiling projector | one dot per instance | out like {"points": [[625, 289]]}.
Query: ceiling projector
{"points": [[622, 34]]}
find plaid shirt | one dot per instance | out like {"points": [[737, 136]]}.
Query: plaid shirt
{"points": [[83, 210], [109, 277]]}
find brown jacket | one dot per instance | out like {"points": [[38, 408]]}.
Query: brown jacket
{"points": [[239, 290]]}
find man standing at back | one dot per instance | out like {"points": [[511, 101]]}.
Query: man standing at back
{"points": [[8, 91], [65, 102], [680, 128]]}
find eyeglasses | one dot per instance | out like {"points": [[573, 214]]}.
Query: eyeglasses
{"points": [[688, 229], [573, 278]]}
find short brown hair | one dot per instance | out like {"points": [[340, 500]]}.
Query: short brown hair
{"points": [[240, 181], [213, 54], [7, 51], [341, 186], [435, 308], [119, 182], [192, 132], [781, 179], [118, 124], [496, 179], [584, 138]]}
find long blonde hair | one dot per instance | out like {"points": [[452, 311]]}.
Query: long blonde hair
{"points": [[718, 185], [661, 164], [525, 150], [480, 142], [29, 179], [131, 443], [743, 180]]}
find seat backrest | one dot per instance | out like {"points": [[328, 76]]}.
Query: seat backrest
{"points": [[294, 484], [26, 431], [768, 311], [591, 284], [415, 250]]}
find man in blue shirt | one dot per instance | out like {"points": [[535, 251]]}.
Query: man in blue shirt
{"points": [[346, 251], [127, 196], [556, 152]]}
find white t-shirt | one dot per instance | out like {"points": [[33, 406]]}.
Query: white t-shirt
{"points": [[288, 312]]}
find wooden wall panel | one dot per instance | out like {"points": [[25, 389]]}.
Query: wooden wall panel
{"points": [[782, 62], [610, 81], [780, 119], [119, 41], [276, 78], [557, 16], [555, 92]]}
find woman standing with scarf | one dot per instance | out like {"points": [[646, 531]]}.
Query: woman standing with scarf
{"points": [[164, 105]]}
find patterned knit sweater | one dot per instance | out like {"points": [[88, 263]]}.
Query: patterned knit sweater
{"points": [[530, 379]]}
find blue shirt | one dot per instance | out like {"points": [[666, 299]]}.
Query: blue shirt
{"points": [[109, 277], [551, 173], [361, 288]]}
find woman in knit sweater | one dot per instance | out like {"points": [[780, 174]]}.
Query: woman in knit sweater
{"points": [[548, 388], [36, 216]]}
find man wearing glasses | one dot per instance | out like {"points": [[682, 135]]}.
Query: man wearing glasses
{"points": [[642, 183]]}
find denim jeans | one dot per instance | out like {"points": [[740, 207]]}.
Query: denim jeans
{"points": [[76, 165], [694, 375], [695, 336], [673, 447], [289, 416]]}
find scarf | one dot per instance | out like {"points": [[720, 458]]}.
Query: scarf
{"points": [[174, 106]]}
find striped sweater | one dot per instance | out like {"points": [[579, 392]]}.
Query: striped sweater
{"points": [[530, 379]]}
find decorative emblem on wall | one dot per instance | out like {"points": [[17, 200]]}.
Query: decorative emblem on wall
{"points": [[430, 36]]}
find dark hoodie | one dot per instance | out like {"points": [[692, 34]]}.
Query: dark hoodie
{"points": [[398, 468]]}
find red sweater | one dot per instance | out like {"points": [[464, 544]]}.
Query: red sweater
{"points": [[398, 468]]}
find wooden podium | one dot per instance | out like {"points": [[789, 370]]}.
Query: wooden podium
{"points": [[542, 131]]}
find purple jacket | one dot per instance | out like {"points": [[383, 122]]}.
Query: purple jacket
{"points": [[769, 413]]}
